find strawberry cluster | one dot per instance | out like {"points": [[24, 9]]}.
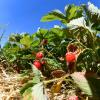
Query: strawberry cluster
{"points": [[39, 62]]}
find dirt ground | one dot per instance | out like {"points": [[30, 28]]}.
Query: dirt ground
{"points": [[9, 86]]}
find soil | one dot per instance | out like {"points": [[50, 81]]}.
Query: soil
{"points": [[9, 86]]}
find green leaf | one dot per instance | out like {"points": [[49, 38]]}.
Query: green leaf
{"points": [[58, 31], [93, 15], [36, 71], [12, 57], [38, 92], [80, 22], [35, 43], [15, 37], [89, 85], [28, 94], [36, 79], [54, 15], [43, 31], [83, 55], [26, 86], [12, 38], [26, 41], [29, 56], [33, 35], [53, 64], [73, 12]]}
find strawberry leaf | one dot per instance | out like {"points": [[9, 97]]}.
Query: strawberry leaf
{"points": [[89, 85]]}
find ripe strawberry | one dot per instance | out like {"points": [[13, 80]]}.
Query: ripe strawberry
{"points": [[73, 98], [39, 55], [70, 57], [37, 64]]}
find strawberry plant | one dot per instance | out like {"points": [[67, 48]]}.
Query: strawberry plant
{"points": [[60, 54]]}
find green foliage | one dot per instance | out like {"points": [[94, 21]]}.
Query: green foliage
{"points": [[54, 15], [81, 26], [79, 31], [34, 88], [35, 93], [38, 92], [37, 74], [26, 87], [87, 58], [89, 85], [26, 41], [31, 83], [71, 12], [53, 64], [15, 37], [93, 14], [28, 94]]}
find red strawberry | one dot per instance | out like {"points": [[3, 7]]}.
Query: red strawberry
{"points": [[39, 55], [37, 64], [70, 57], [73, 98]]}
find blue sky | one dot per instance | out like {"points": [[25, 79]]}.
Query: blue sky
{"points": [[24, 15]]}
